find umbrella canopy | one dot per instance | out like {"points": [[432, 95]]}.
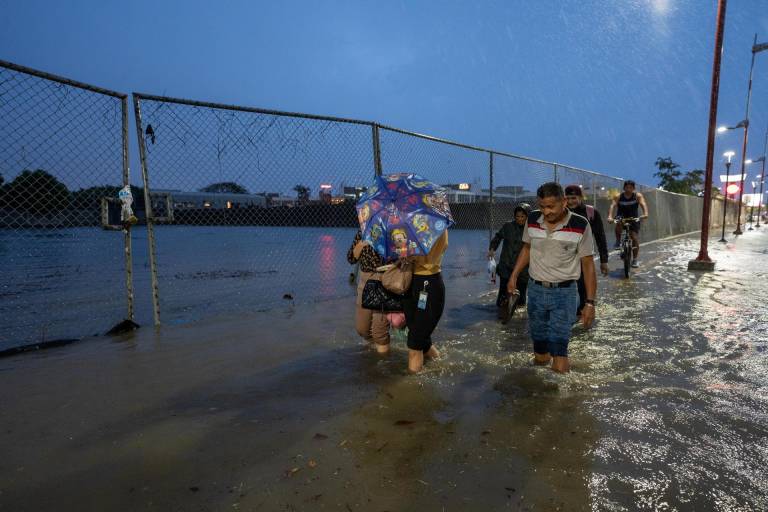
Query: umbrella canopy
{"points": [[403, 215]]}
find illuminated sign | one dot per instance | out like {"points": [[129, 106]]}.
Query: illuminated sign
{"points": [[732, 189], [733, 177], [463, 186]]}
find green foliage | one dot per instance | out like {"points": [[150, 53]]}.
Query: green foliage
{"points": [[672, 179], [225, 187], [36, 191], [302, 194]]}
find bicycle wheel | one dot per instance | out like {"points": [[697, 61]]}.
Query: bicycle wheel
{"points": [[626, 255]]}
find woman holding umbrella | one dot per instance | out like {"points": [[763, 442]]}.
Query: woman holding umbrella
{"points": [[406, 216]]}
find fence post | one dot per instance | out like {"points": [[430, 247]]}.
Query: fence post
{"points": [[490, 196], [594, 193], [376, 149], [127, 229], [555, 175], [148, 211]]}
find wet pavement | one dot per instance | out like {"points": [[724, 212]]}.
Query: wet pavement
{"points": [[666, 407]]}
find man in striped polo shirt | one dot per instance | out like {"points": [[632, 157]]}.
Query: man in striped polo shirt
{"points": [[558, 249]]}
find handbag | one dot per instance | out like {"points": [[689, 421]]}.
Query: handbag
{"points": [[397, 277], [378, 298]]}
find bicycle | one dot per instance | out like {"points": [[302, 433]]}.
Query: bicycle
{"points": [[625, 245]]}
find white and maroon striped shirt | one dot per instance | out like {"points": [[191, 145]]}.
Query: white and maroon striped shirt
{"points": [[556, 253]]}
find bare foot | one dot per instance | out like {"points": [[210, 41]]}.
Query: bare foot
{"points": [[541, 359], [561, 364], [432, 353], [382, 349], [415, 360]]}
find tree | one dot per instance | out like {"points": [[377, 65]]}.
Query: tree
{"points": [[672, 179], [37, 192], [302, 194], [225, 187]]}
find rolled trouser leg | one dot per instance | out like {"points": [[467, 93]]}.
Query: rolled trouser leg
{"points": [[422, 322], [363, 316], [538, 318], [561, 318], [379, 328]]}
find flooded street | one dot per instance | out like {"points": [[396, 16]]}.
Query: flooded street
{"points": [[666, 407]]}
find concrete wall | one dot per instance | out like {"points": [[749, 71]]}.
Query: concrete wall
{"points": [[674, 214]]}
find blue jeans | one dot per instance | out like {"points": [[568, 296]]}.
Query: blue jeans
{"points": [[551, 314]]}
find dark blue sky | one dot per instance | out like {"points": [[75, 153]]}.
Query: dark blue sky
{"points": [[607, 85]]}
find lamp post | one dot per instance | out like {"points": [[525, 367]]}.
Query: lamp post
{"points": [[728, 155], [754, 185], [752, 208], [760, 197], [756, 48], [703, 261], [762, 179]]}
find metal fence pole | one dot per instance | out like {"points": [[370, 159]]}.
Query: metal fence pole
{"points": [[376, 149], [148, 211], [126, 228], [490, 196], [555, 173]]}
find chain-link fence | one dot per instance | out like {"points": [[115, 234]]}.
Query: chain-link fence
{"points": [[251, 207], [63, 158], [254, 207], [247, 208]]}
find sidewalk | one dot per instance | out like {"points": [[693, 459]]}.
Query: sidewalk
{"points": [[667, 406]]}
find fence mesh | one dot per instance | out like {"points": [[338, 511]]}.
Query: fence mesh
{"points": [[62, 150], [465, 173], [251, 208]]}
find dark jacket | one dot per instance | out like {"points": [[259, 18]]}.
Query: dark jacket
{"points": [[598, 231], [512, 235]]}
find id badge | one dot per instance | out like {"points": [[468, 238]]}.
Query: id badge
{"points": [[422, 301]]}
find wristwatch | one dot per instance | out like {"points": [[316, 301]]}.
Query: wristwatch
{"points": [[589, 302]]}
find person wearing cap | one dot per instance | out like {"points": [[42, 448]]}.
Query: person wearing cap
{"points": [[557, 250], [627, 205], [511, 233], [575, 198]]}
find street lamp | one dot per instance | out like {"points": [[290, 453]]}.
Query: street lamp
{"points": [[728, 155], [741, 124], [762, 179], [756, 48], [752, 207]]}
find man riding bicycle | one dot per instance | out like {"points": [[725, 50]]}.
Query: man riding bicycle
{"points": [[628, 204]]}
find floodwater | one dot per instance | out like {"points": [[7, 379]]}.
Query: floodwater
{"points": [[666, 408], [70, 283]]}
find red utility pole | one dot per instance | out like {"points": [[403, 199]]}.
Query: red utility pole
{"points": [[703, 261]]}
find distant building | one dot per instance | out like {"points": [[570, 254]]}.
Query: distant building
{"points": [[465, 193], [180, 200], [282, 201], [354, 193], [326, 193]]}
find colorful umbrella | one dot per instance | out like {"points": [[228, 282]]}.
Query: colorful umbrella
{"points": [[403, 215]]}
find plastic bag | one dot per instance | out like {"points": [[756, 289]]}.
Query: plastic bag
{"points": [[126, 211], [492, 269]]}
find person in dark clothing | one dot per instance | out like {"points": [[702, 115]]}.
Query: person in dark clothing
{"points": [[511, 233], [573, 195], [628, 205]]}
